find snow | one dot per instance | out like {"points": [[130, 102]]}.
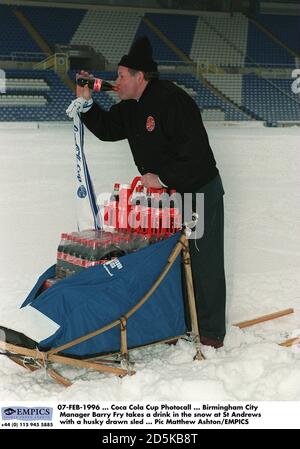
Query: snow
{"points": [[260, 171]]}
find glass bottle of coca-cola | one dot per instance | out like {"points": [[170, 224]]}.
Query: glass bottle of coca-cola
{"points": [[116, 192], [95, 84]]}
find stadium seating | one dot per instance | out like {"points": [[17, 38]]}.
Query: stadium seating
{"points": [[38, 95], [229, 84], [284, 27], [13, 37], [56, 25], [163, 54], [264, 51], [170, 24], [228, 50], [270, 99], [108, 32], [208, 102], [220, 40]]}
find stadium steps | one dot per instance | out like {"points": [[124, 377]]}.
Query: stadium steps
{"points": [[214, 37], [272, 36], [40, 41], [181, 55], [249, 114], [225, 38], [231, 86], [109, 32]]}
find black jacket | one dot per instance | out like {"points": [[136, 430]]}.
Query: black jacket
{"points": [[165, 133]]}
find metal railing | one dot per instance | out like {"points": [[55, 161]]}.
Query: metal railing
{"points": [[59, 62], [211, 67], [24, 56]]}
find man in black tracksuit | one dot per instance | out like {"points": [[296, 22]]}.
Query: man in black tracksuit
{"points": [[170, 148]]}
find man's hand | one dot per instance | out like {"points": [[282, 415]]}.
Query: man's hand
{"points": [[84, 92], [151, 180]]}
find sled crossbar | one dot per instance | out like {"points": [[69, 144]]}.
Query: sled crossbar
{"points": [[271, 316], [263, 318]]}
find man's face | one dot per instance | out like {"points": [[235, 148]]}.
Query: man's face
{"points": [[127, 84]]}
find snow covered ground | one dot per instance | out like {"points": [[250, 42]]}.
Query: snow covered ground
{"points": [[260, 170]]}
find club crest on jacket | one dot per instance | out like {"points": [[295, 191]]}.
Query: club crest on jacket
{"points": [[150, 123]]}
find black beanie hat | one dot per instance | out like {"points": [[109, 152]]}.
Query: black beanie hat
{"points": [[140, 56]]}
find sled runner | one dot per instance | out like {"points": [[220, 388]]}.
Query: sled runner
{"points": [[107, 310], [271, 316], [264, 318]]}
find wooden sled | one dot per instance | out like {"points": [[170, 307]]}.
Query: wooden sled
{"points": [[33, 359], [271, 316]]}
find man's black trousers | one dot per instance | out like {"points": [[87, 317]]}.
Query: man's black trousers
{"points": [[207, 258]]}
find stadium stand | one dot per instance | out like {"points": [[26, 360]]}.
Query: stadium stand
{"points": [[264, 51], [56, 25], [284, 27], [206, 99], [163, 54], [14, 39], [271, 100], [169, 24], [222, 60], [108, 32], [220, 50], [230, 84], [34, 95]]}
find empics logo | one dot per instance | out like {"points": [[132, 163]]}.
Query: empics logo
{"points": [[296, 83], [27, 413], [9, 411], [2, 82]]}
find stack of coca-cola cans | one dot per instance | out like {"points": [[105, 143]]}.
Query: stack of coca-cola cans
{"points": [[85, 249]]}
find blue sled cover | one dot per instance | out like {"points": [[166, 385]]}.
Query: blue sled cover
{"points": [[93, 298]]}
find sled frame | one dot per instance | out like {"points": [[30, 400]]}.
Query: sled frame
{"points": [[271, 316], [33, 359]]}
